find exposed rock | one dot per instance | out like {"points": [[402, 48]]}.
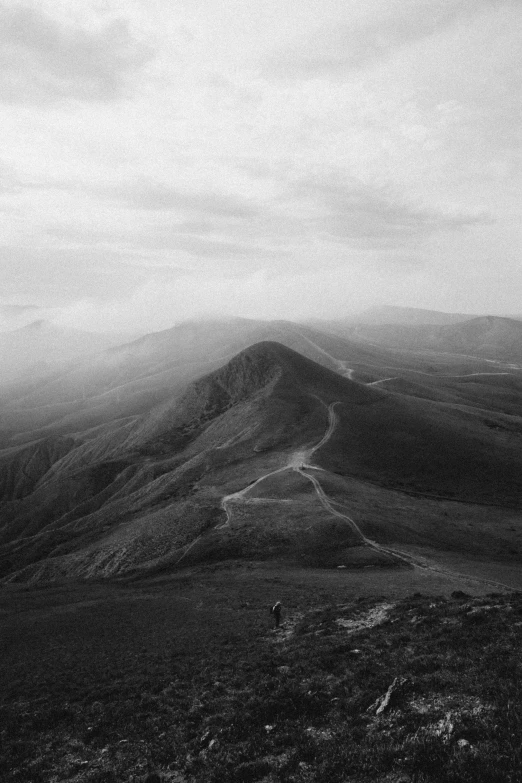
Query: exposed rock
{"points": [[375, 616], [391, 696]]}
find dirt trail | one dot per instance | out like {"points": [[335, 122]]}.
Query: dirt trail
{"points": [[395, 553], [325, 501], [299, 462], [238, 497], [341, 364], [332, 424], [187, 549], [382, 380]]}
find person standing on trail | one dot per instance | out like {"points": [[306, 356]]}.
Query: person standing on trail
{"points": [[276, 612]]}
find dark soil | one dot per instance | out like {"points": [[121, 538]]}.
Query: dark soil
{"points": [[186, 679]]}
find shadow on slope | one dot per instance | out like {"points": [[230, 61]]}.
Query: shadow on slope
{"points": [[173, 466]]}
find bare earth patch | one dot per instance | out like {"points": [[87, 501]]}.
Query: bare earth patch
{"points": [[375, 616]]}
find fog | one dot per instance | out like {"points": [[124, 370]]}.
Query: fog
{"points": [[336, 294]]}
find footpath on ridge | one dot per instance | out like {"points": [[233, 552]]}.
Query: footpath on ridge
{"points": [[299, 462]]}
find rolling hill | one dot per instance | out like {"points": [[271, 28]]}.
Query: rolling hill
{"points": [[488, 337], [233, 466], [129, 379], [415, 316]]}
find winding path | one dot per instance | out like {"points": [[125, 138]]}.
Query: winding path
{"points": [[394, 553], [299, 462], [341, 365], [381, 380]]}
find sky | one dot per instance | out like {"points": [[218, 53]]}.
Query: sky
{"points": [[165, 159]]}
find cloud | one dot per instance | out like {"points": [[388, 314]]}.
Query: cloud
{"points": [[188, 240], [43, 60], [161, 302], [306, 217], [9, 184], [347, 211], [332, 205], [155, 196], [208, 248], [336, 51], [56, 276]]}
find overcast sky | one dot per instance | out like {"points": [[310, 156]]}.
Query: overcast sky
{"points": [[267, 158]]}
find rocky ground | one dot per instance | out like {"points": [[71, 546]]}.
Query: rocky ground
{"points": [[122, 686]]}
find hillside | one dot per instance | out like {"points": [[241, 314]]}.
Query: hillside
{"points": [[489, 337], [129, 379], [387, 314], [389, 317], [186, 681], [246, 462]]}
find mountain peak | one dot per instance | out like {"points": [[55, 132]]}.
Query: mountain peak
{"points": [[251, 369], [267, 358]]}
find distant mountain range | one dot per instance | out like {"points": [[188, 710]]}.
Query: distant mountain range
{"points": [[488, 337], [387, 314], [127, 379]]}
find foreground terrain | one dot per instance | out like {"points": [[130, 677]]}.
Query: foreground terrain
{"points": [[184, 677]]}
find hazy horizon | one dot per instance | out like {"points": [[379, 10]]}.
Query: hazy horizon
{"points": [[261, 160], [55, 319]]}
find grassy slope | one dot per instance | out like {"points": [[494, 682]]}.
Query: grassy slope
{"points": [[238, 423], [492, 533], [491, 337], [427, 447], [104, 683], [129, 378], [497, 393]]}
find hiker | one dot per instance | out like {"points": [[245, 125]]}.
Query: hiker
{"points": [[276, 611]]}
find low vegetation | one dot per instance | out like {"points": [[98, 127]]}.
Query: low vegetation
{"points": [[421, 689]]}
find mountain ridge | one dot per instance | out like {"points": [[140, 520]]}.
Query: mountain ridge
{"points": [[148, 489], [495, 338]]}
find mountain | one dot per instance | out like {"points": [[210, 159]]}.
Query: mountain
{"points": [[387, 314], [128, 379], [221, 469], [39, 347], [488, 337]]}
